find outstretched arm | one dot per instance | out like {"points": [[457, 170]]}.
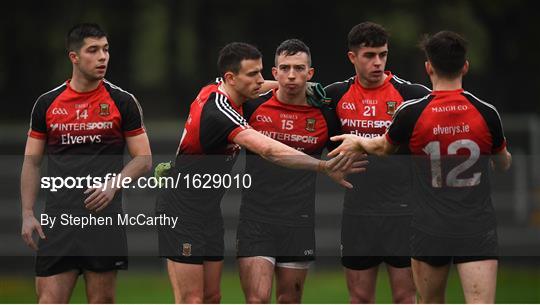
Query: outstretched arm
{"points": [[283, 155], [379, 146]]}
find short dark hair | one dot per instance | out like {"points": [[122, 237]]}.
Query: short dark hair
{"points": [[367, 34], [231, 56], [291, 47], [446, 51], [76, 35]]}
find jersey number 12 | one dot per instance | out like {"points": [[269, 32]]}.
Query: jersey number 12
{"points": [[433, 149]]}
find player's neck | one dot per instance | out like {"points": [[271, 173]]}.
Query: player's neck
{"points": [[234, 96], [285, 98], [370, 85], [443, 84], [82, 84]]}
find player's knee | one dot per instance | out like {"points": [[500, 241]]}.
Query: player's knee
{"points": [[478, 297], [192, 299], [101, 299], [258, 298], [285, 298], [359, 296], [45, 297], [212, 298], [405, 297]]}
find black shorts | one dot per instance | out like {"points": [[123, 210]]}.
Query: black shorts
{"points": [[96, 248], [51, 265], [440, 251], [367, 241], [193, 242], [286, 244]]}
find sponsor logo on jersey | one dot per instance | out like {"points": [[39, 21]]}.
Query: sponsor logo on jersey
{"points": [[365, 123], [391, 107], [310, 124], [59, 111], [68, 139], [348, 106], [280, 136], [104, 109], [186, 249], [288, 116], [81, 126], [309, 252], [370, 102], [263, 118], [81, 106], [449, 108]]}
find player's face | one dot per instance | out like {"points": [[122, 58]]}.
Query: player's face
{"points": [[93, 58], [248, 81], [369, 63], [292, 72]]}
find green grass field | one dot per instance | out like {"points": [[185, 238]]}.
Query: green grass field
{"points": [[515, 285]]}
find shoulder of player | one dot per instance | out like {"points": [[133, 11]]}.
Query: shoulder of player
{"points": [[118, 94], [481, 105], [251, 105], [218, 105], [407, 89], [46, 99], [413, 104], [337, 89]]}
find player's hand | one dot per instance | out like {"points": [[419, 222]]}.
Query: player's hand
{"points": [[99, 198], [346, 160], [316, 96], [350, 144], [162, 170], [339, 173], [29, 225], [340, 176]]}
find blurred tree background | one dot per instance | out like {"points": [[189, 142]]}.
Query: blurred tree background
{"points": [[164, 51]]}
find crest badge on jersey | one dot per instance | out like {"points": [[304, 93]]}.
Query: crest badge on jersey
{"points": [[104, 109], [391, 107], [310, 124], [186, 249]]}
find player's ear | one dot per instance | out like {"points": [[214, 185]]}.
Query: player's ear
{"points": [[465, 68], [429, 69], [73, 57], [352, 56], [311, 72], [274, 72], [228, 77]]}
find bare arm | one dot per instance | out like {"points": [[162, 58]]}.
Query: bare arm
{"points": [[33, 155], [502, 160], [141, 162], [283, 155], [378, 146], [269, 85]]}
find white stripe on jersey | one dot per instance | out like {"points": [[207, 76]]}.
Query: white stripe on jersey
{"points": [[227, 106], [402, 81], [405, 105], [132, 96], [226, 112], [35, 103], [485, 104], [345, 81]]}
